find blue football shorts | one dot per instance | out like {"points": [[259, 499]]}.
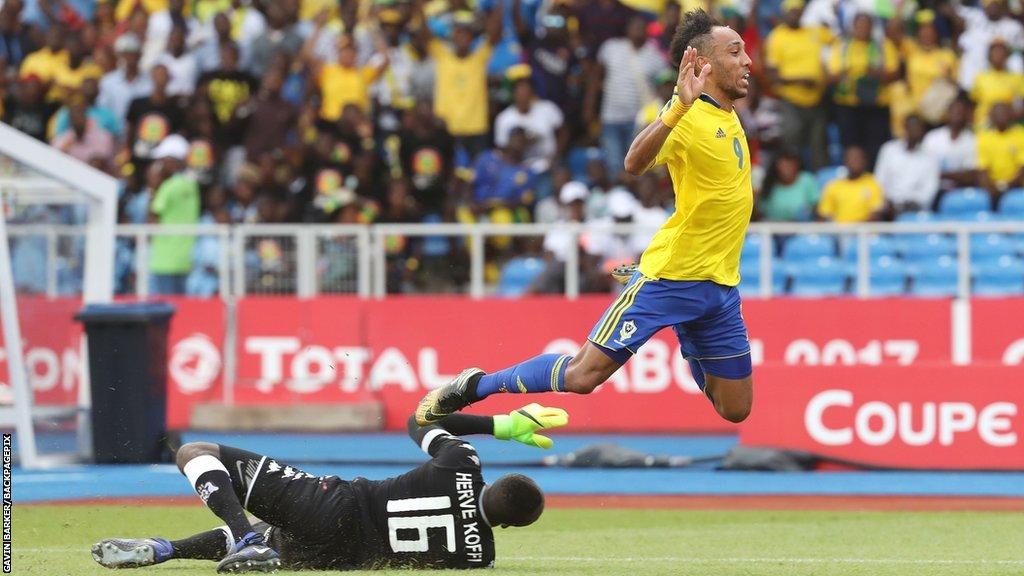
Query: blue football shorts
{"points": [[707, 319]]}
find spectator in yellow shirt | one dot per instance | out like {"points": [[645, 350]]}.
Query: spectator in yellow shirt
{"points": [[460, 87], [855, 198], [79, 68], [928, 62], [793, 57], [997, 84], [47, 61], [344, 82], [125, 8], [861, 69], [1001, 152]]}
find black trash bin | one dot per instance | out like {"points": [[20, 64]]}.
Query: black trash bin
{"points": [[128, 379]]}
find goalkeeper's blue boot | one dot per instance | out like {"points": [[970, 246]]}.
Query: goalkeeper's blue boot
{"points": [[250, 554], [131, 553], [451, 397]]}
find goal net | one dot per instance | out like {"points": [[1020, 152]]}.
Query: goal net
{"points": [[56, 254]]}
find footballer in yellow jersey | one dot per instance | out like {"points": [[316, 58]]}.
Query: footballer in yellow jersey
{"points": [[687, 277]]}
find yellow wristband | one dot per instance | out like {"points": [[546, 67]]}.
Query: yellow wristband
{"points": [[675, 113]]}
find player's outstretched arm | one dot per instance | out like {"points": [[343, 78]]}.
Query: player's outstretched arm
{"points": [[519, 425], [645, 147]]}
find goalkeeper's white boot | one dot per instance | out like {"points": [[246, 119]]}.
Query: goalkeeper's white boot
{"points": [[131, 552]]}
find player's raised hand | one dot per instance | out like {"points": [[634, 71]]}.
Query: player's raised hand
{"points": [[690, 85], [520, 425]]}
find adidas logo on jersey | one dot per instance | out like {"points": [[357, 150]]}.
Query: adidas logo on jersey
{"points": [[720, 133]]}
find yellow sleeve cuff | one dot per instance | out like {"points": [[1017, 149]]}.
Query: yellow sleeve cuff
{"points": [[675, 113]]}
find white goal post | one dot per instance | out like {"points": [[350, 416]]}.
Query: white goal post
{"points": [[52, 178]]}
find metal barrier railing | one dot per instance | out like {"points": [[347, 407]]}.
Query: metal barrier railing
{"points": [[308, 260]]}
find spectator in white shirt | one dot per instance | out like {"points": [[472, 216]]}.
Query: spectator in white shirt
{"points": [[572, 196], [980, 26], [212, 36], [908, 175], [558, 245], [158, 30], [612, 247], [622, 81], [955, 147], [128, 82], [182, 65], [651, 212], [541, 120]]}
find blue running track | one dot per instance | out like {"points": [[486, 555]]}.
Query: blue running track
{"points": [[380, 452]]}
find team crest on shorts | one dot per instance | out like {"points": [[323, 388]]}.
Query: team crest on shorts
{"points": [[627, 330]]}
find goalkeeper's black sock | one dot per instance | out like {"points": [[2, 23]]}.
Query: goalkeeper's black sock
{"points": [[210, 545], [212, 483]]}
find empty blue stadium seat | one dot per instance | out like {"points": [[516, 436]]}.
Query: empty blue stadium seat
{"points": [[976, 216], [1001, 277], [750, 277], [781, 273], [752, 246], [1012, 204], [927, 247], [828, 174], [517, 274], [805, 247], [750, 266], [920, 217], [965, 201], [878, 247], [823, 276], [934, 278], [888, 277], [989, 247]]}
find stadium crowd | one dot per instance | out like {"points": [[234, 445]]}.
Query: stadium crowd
{"points": [[399, 111]]}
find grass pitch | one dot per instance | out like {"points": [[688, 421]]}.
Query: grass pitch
{"points": [[55, 540]]}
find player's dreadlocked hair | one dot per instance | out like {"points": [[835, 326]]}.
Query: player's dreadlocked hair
{"points": [[694, 30], [515, 500]]}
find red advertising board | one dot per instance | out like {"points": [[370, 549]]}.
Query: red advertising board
{"points": [[195, 357], [440, 337], [53, 353], [395, 350], [997, 330], [340, 349], [929, 417], [293, 350], [849, 332], [51, 342]]}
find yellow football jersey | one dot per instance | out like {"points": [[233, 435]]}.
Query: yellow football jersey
{"points": [[709, 162]]}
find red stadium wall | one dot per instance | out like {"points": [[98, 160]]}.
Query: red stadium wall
{"points": [[335, 349]]}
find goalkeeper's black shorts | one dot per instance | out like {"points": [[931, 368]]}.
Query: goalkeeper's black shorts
{"points": [[313, 521]]}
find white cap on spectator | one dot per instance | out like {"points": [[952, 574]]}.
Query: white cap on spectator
{"points": [[173, 146], [573, 191], [621, 203], [127, 42]]}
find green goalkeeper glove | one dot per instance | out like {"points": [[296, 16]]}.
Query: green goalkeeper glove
{"points": [[520, 425]]}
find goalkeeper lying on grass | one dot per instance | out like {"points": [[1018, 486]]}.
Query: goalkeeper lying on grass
{"points": [[438, 515]]}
